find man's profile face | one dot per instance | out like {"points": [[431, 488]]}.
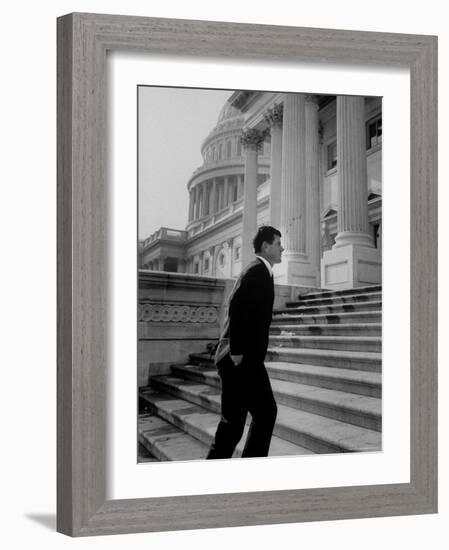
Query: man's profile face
{"points": [[273, 251]]}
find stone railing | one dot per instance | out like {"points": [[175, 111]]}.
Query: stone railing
{"points": [[165, 233], [212, 219], [179, 314]]}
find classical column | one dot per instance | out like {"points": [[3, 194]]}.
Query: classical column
{"points": [[352, 179], [218, 195], [273, 118], [213, 197], [353, 260], [240, 186], [197, 202], [313, 186], [293, 175], [207, 195], [204, 203], [234, 190], [252, 141], [295, 267], [190, 205], [226, 192], [161, 263]]}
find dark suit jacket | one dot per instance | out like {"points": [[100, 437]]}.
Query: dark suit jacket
{"points": [[246, 329]]}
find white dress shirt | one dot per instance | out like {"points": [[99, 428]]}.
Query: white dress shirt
{"points": [[267, 263]]}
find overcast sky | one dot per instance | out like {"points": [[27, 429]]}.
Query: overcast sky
{"points": [[173, 123]]}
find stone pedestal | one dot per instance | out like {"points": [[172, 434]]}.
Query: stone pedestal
{"points": [[350, 266], [295, 269]]}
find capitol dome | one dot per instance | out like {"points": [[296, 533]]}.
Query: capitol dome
{"points": [[228, 111]]}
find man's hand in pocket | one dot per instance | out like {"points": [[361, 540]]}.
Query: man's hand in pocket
{"points": [[237, 359]]}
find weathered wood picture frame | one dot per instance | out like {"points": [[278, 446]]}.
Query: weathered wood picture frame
{"points": [[83, 40]]}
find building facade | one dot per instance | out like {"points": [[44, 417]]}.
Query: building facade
{"points": [[310, 165]]}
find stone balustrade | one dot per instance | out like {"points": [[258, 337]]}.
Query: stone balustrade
{"points": [[165, 233]]}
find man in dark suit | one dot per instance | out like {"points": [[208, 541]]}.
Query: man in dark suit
{"points": [[241, 352]]}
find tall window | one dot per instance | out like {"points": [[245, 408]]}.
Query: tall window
{"points": [[374, 133], [332, 155], [220, 152], [228, 149]]}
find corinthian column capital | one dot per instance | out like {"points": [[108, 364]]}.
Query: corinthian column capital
{"points": [[274, 115], [252, 139], [312, 98]]}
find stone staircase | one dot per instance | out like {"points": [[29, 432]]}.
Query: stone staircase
{"points": [[324, 362]]}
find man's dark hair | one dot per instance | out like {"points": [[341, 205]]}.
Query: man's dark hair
{"points": [[265, 234]]}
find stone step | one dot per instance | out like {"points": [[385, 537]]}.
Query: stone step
{"points": [[310, 431], [167, 442], [291, 317], [345, 329], [144, 455], [331, 293], [353, 360], [330, 309], [201, 359], [345, 343], [354, 409], [201, 374], [351, 408], [350, 381], [198, 425], [348, 299]]}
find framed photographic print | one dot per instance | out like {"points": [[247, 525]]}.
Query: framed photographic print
{"points": [[176, 141], [324, 355]]}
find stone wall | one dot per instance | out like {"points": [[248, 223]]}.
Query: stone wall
{"points": [[180, 313]]}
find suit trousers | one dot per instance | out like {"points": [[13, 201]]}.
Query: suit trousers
{"points": [[245, 388]]}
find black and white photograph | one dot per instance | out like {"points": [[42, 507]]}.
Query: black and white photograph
{"points": [[259, 268]]}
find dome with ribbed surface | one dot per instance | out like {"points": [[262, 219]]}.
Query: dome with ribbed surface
{"points": [[228, 111]]}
